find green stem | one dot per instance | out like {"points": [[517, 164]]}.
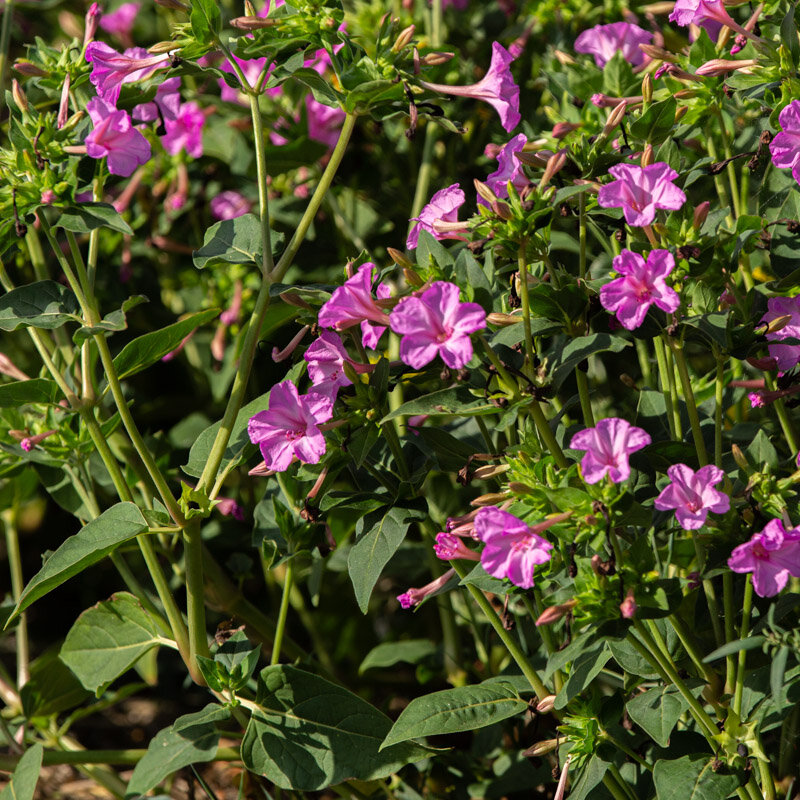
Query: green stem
{"points": [[582, 235], [511, 644], [583, 393], [690, 646], [17, 584], [730, 629], [5, 39], [747, 605], [691, 405], [436, 23], [548, 437], [767, 781], [786, 424], [667, 389], [644, 365], [282, 613], [195, 592], [522, 263], [719, 390], [621, 782], [545, 633], [617, 791], [424, 173]]}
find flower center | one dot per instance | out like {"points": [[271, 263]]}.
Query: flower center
{"points": [[293, 435], [445, 334], [759, 551]]}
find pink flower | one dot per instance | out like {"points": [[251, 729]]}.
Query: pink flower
{"points": [[120, 22], [436, 323], [326, 359], [289, 428], [228, 507], [772, 556], [509, 169], [353, 304], [115, 137], [687, 12], [111, 69], [607, 447], [639, 286], [165, 106], [628, 606], [413, 597], [785, 355], [444, 206], [692, 495], [448, 546], [229, 205], [185, 132], [785, 147], [639, 191], [324, 122], [497, 87], [513, 548], [603, 41]]}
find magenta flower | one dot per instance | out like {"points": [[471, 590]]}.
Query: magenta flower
{"points": [[436, 323], [353, 304], [324, 122], [603, 41], [772, 556], [120, 22], [165, 106], [639, 191], [639, 286], [785, 147], [692, 495], [289, 428], [497, 88], [413, 597], [115, 137], [229, 205], [443, 206], [449, 546], [326, 359], [508, 169], [111, 69], [688, 12], [185, 132], [786, 355], [607, 447], [513, 548]]}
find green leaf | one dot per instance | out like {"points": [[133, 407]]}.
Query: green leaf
{"points": [[108, 639], [388, 654], [234, 241], [24, 778], [112, 322], [455, 400], [753, 643], [378, 535], [239, 658], [656, 712], [92, 543], [584, 670], [580, 349], [205, 20], [151, 347], [514, 334], [692, 778], [88, 216], [300, 152], [593, 773], [44, 304], [454, 710], [655, 125], [191, 739], [762, 452], [51, 688], [307, 734], [36, 390]]}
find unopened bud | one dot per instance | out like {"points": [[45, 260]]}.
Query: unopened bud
{"points": [[485, 192], [435, 59], [542, 748], [249, 8], [680, 113], [614, 118], [252, 23], [520, 488], [554, 165], [722, 66], [404, 38], [490, 471], [546, 704], [399, 258], [162, 47], [503, 320], [563, 58], [91, 21], [412, 278], [647, 88], [628, 606], [294, 300], [48, 195], [701, 214], [628, 381], [561, 129], [647, 155], [26, 68], [502, 209], [778, 324], [738, 457], [20, 98], [555, 613], [491, 499], [659, 53]]}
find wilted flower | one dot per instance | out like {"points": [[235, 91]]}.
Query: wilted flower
{"points": [[290, 427], [444, 206], [449, 546], [497, 88], [413, 597], [772, 556], [639, 286], [115, 137], [692, 495], [603, 41], [436, 323], [639, 191], [607, 447]]}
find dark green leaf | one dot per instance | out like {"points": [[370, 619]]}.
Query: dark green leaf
{"points": [[388, 654], [44, 304], [584, 670], [455, 400], [149, 348], [93, 542], [656, 712], [112, 322], [36, 390], [593, 773], [234, 241], [753, 643], [454, 710], [308, 733], [22, 784], [205, 20], [692, 778], [108, 639], [51, 688], [514, 334], [656, 124], [88, 216], [777, 672], [580, 349]]}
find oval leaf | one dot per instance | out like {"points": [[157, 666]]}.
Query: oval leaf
{"points": [[92, 543], [44, 304], [307, 733], [692, 778], [454, 710], [36, 390], [24, 778], [88, 216]]}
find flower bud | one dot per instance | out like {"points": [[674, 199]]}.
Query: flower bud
{"points": [[778, 324], [20, 98], [555, 613], [249, 8], [647, 88], [485, 192], [91, 21], [542, 748], [561, 129], [252, 23], [502, 209], [503, 320], [26, 68], [435, 59], [490, 471], [404, 38], [490, 499], [659, 53], [399, 258], [162, 47], [546, 704], [614, 118], [520, 488], [701, 214], [647, 155], [294, 299], [738, 457], [412, 278], [554, 165], [628, 606], [722, 66]]}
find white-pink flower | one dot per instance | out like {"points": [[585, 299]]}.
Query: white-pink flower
{"points": [[692, 495], [443, 207], [607, 447]]}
